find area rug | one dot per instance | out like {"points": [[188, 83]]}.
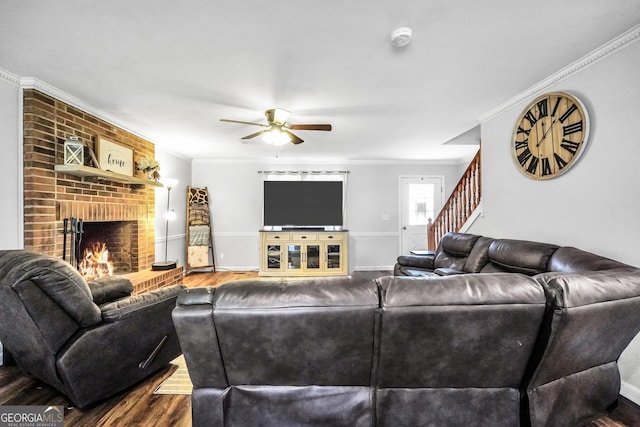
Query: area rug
{"points": [[179, 382]]}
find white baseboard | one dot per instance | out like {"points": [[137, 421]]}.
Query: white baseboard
{"points": [[236, 268], [631, 392]]}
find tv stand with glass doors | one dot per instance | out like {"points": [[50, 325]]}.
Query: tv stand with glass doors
{"points": [[304, 253]]}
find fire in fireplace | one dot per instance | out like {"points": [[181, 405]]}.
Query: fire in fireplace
{"points": [[95, 262], [100, 248]]}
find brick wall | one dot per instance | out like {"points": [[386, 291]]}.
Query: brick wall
{"points": [[51, 196]]}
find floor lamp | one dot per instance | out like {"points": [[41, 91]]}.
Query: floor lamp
{"points": [[169, 215]]}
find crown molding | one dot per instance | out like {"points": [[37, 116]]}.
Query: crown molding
{"points": [[39, 85], [624, 40], [353, 162], [9, 77]]}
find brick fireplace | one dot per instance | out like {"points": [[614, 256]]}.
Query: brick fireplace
{"points": [[50, 197]]}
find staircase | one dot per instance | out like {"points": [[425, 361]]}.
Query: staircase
{"points": [[459, 207]]}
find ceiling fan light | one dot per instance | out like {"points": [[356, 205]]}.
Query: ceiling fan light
{"points": [[276, 137]]}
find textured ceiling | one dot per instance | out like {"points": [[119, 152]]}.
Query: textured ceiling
{"points": [[170, 70]]}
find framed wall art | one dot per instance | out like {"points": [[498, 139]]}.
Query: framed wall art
{"points": [[114, 157]]}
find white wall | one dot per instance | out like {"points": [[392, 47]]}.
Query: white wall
{"points": [[172, 166], [10, 167], [595, 205], [372, 191]]}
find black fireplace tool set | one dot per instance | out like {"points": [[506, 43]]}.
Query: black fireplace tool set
{"points": [[72, 228]]}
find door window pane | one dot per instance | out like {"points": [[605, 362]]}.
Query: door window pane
{"points": [[421, 203]]}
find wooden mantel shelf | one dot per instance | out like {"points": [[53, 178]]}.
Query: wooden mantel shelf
{"points": [[84, 171]]}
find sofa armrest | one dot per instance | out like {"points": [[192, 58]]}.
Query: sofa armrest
{"points": [[418, 261], [447, 271], [195, 296], [194, 321], [109, 289], [137, 304]]}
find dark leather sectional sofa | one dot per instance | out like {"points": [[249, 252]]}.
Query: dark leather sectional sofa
{"points": [[487, 332]]}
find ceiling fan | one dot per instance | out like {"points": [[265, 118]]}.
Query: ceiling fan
{"points": [[277, 131]]}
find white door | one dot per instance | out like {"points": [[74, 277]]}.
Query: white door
{"points": [[420, 199]]}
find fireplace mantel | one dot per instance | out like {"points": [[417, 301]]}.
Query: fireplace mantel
{"points": [[87, 171]]}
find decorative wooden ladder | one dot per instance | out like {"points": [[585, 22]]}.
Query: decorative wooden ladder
{"points": [[199, 244], [464, 199]]}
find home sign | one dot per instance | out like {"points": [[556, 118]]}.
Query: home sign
{"points": [[114, 157]]}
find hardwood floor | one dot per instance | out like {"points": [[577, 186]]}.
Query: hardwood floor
{"points": [[138, 406]]}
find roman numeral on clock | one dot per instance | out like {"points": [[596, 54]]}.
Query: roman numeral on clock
{"points": [[521, 144], [543, 108], [572, 128], [555, 107], [533, 165], [560, 162], [570, 146], [532, 119], [524, 156], [546, 167], [567, 113], [525, 131]]}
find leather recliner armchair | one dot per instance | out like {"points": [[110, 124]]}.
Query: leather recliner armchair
{"points": [[89, 341]]}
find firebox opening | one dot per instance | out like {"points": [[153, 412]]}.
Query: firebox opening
{"points": [[105, 249]]}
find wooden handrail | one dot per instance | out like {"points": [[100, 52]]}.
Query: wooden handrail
{"points": [[458, 208]]}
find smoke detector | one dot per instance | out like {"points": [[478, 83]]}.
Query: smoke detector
{"points": [[401, 36]]}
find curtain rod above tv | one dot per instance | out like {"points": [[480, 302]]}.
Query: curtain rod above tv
{"points": [[290, 172]]}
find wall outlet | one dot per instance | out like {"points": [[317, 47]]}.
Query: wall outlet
{"points": [[385, 217], [221, 255]]}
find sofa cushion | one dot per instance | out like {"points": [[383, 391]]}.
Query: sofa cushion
{"points": [[417, 261], [458, 244], [110, 288], [433, 330], [519, 256], [572, 260], [288, 332], [453, 250], [479, 255], [131, 306], [295, 293]]}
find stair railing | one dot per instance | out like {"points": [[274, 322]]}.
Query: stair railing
{"points": [[458, 208]]}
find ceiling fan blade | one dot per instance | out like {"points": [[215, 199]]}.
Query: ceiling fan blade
{"points": [[294, 139], [244, 123], [253, 135], [310, 127]]}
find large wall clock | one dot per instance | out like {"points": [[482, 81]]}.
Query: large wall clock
{"points": [[550, 135]]}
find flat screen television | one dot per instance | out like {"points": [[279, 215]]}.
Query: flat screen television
{"points": [[303, 204]]}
